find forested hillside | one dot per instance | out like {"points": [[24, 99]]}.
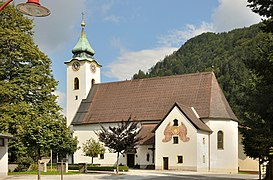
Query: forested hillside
{"points": [[227, 54]]}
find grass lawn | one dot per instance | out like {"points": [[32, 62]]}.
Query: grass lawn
{"points": [[43, 173], [248, 172]]}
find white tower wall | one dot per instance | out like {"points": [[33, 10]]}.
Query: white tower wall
{"points": [[75, 96]]}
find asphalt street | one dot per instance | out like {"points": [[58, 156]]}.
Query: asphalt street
{"points": [[139, 175]]}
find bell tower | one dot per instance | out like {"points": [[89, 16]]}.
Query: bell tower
{"points": [[82, 71]]}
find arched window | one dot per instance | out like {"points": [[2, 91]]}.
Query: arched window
{"points": [[175, 122], [93, 81], [76, 83], [220, 140]]}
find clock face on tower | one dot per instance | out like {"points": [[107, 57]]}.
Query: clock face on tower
{"points": [[76, 66], [93, 67]]}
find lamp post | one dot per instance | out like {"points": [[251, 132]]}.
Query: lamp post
{"points": [[31, 8]]}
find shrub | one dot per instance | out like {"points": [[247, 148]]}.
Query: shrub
{"points": [[150, 166], [73, 166], [33, 167], [123, 168], [97, 167], [106, 168], [23, 164], [100, 168]]}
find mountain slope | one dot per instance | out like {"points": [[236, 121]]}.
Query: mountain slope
{"points": [[224, 53]]}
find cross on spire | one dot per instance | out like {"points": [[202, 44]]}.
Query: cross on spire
{"points": [[83, 48], [82, 24]]}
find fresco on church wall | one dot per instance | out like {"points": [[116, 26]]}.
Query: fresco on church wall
{"points": [[181, 131]]}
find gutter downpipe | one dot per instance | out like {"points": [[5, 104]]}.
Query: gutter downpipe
{"points": [[209, 152]]}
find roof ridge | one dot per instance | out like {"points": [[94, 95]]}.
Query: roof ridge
{"points": [[197, 89], [219, 96], [159, 77], [149, 99], [210, 98]]}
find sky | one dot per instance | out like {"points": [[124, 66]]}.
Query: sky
{"points": [[128, 35]]}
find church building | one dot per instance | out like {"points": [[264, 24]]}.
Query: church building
{"points": [[185, 120]]}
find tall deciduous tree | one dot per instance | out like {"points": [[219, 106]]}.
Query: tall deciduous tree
{"points": [[121, 138], [223, 53], [92, 149], [265, 9], [258, 136], [262, 7], [28, 108]]}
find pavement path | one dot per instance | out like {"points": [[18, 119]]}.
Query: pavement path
{"points": [[138, 175]]}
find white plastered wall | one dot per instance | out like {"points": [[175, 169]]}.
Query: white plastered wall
{"points": [[246, 163], [223, 160], [167, 149], [141, 158], [85, 132], [4, 159], [85, 76], [202, 151]]}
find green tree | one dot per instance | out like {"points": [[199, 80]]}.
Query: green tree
{"points": [[223, 53], [28, 108], [120, 139], [262, 7], [258, 136], [139, 75], [64, 143], [92, 149], [265, 9], [13, 27]]}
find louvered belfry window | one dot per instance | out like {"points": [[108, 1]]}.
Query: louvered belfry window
{"points": [[76, 84]]}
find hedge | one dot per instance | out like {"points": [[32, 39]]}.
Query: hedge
{"points": [[106, 168], [97, 168], [73, 167]]}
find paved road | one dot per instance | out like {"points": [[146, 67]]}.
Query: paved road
{"points": [[139, 175]]}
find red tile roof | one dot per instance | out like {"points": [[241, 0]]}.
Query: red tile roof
{"points": [[150, 99], [147, 129], [190, 115], [146, 132]]}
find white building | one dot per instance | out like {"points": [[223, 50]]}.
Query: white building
{"points": [[4, 154], [186, 121]]}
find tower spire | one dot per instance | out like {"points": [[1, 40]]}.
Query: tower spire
{"points": [[83, 24], [83, 49]]}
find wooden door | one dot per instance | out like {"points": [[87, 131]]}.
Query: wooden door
{"points": [[165, 163], [130, 160]]}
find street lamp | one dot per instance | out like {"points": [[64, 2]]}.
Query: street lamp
{"points": [[31, 8]]}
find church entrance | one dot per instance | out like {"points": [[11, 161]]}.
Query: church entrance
{"points": [[165, 163], [130, 160]]}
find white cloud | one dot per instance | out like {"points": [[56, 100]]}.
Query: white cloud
{"points": [[132, 61], [129, 62], [106, 6], [116, 43], [231, 14], [178, 37], [103, 9], [53, 32], [112, 18]]}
